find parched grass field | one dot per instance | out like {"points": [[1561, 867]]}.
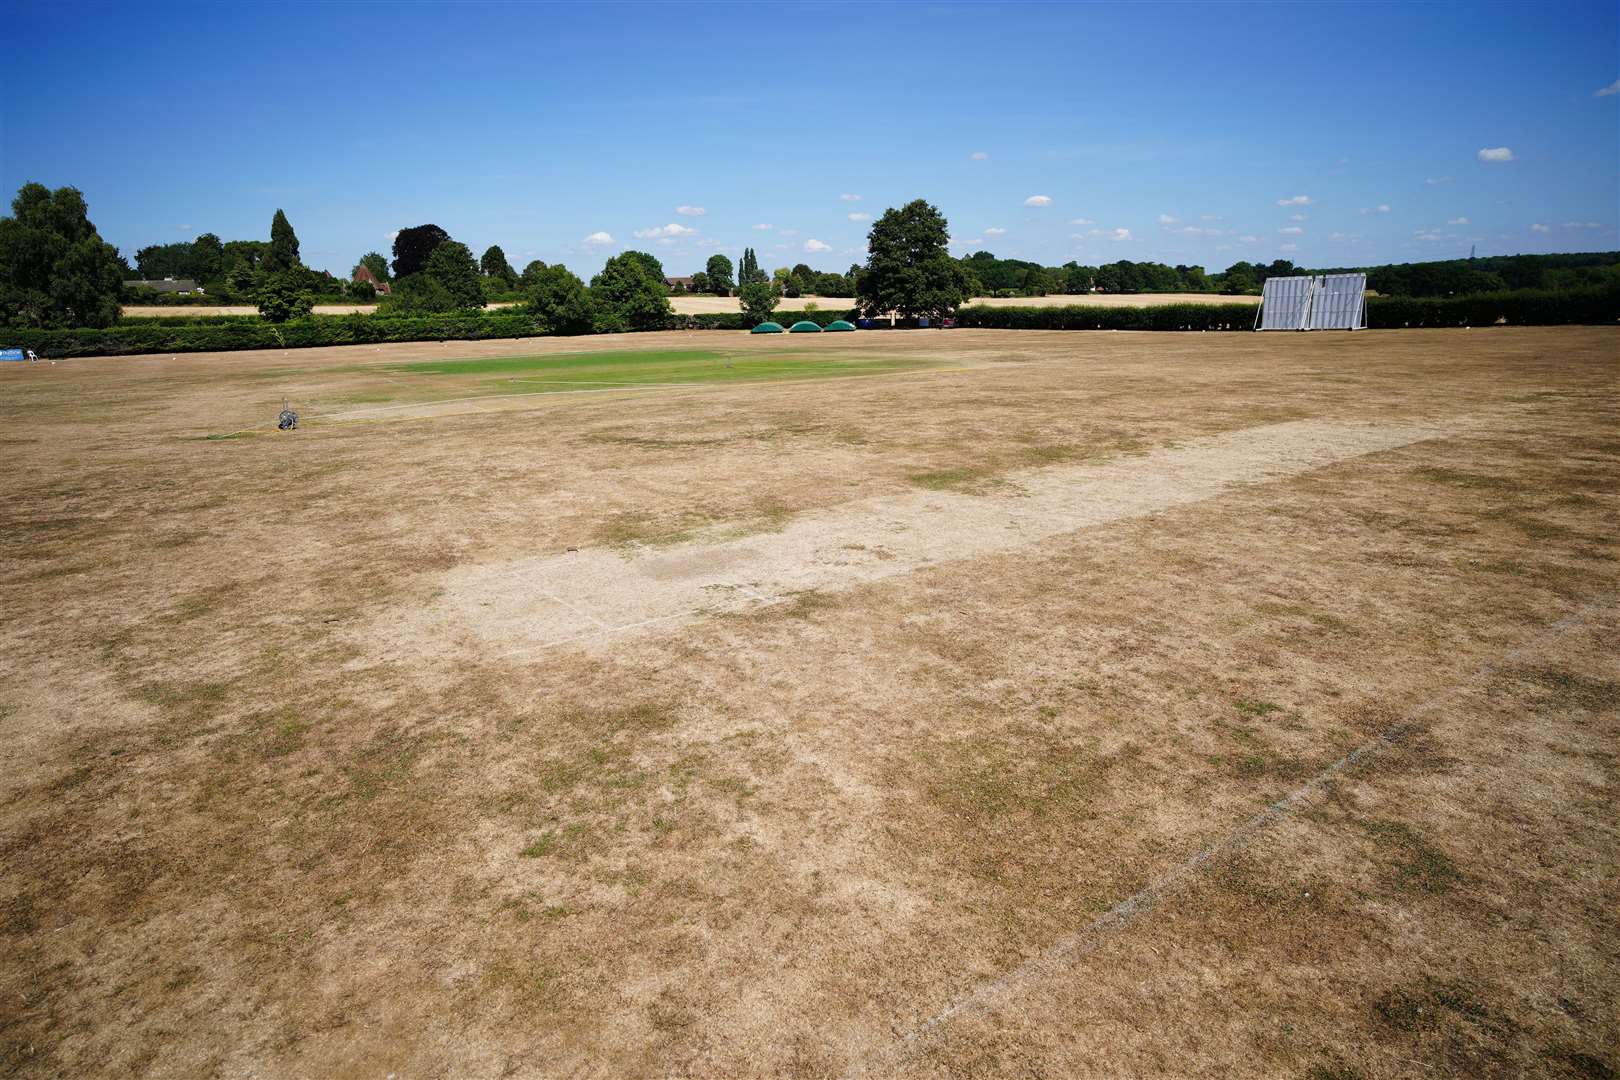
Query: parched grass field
{"points": [[951, 704]]}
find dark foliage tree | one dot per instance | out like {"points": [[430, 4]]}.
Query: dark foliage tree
{"points": [[283, 254], [531, 273], [629, 294], [559, 302], [908, 269], [413, 247], [281, 296], [748, 271], [55, 270], [493, 264], [717, 276], [700, 282]]}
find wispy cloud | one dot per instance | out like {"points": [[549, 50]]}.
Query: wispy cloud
{"points": [[673, 229], [764, 226], [1457, 221], [1287, 247], [690, 211], [860, 217], [1496, 155], [1381, 208], [1538, 227], [1082, 221], [1038, 200], [1291, 230], [1111, 234], [979, 155], [1610, 90], [1583, 225], [993, 231], [1436, 181], [850, 198], [1297, 200], [1169, 219], [1297, 217]]}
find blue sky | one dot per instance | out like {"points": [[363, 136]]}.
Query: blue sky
{"points": [[1200, 133]]}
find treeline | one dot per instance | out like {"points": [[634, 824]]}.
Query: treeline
{"points": [[993, 277], [1493, 273]]}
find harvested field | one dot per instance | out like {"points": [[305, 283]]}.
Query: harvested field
{"points": [[953, 704]]}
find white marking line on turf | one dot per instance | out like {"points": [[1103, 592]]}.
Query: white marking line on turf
{"points": [[1052, 960]]}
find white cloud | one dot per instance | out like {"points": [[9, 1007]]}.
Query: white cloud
{"points": [[1291, 230], [1248, 239], [1427, 234], [1038, 200], [1296, 217], [1610, 90], [790, 232], [764, 227], [1297, 200], [1540, 228], [672, 229], [1209, 217], [1287, 247], [1457, 221], [690, 211], [599, 239], [1338, 237], [1436, 181], [1082, 221], [393, 236], [850, 198], [1583, 225], [1381, 208], [860, 217], [816, 246], [1194, 230], [993, 231], [1118, 234], [979, 155], [1169, 219], [1496, 154]]}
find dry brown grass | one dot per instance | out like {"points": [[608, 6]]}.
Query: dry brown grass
{"points": [[249, 828]]}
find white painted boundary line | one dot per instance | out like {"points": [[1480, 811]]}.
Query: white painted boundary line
{"points": [[1054, 958]]}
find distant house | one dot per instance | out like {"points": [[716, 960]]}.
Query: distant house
{"points": [[682, 283], [181, 286], [363, 273]]}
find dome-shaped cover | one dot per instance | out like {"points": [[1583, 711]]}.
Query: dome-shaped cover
{"points": [[839, 327], [804, 326], [767, 328]]}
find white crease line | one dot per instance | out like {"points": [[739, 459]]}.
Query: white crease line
{"points": [[1051, 960]]}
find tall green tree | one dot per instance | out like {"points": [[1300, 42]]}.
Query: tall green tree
{"points": [[493, 264], [532, 272], [281, 296], [759, 299], [283, 253], [717, 271], [748, 272], [629, 295], [413, 246], [559, 302], [55, 270], [908, 269]]}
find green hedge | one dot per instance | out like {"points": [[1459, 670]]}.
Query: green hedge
{"points": [[136, 336], [1094, 317], [1523, 307]]}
